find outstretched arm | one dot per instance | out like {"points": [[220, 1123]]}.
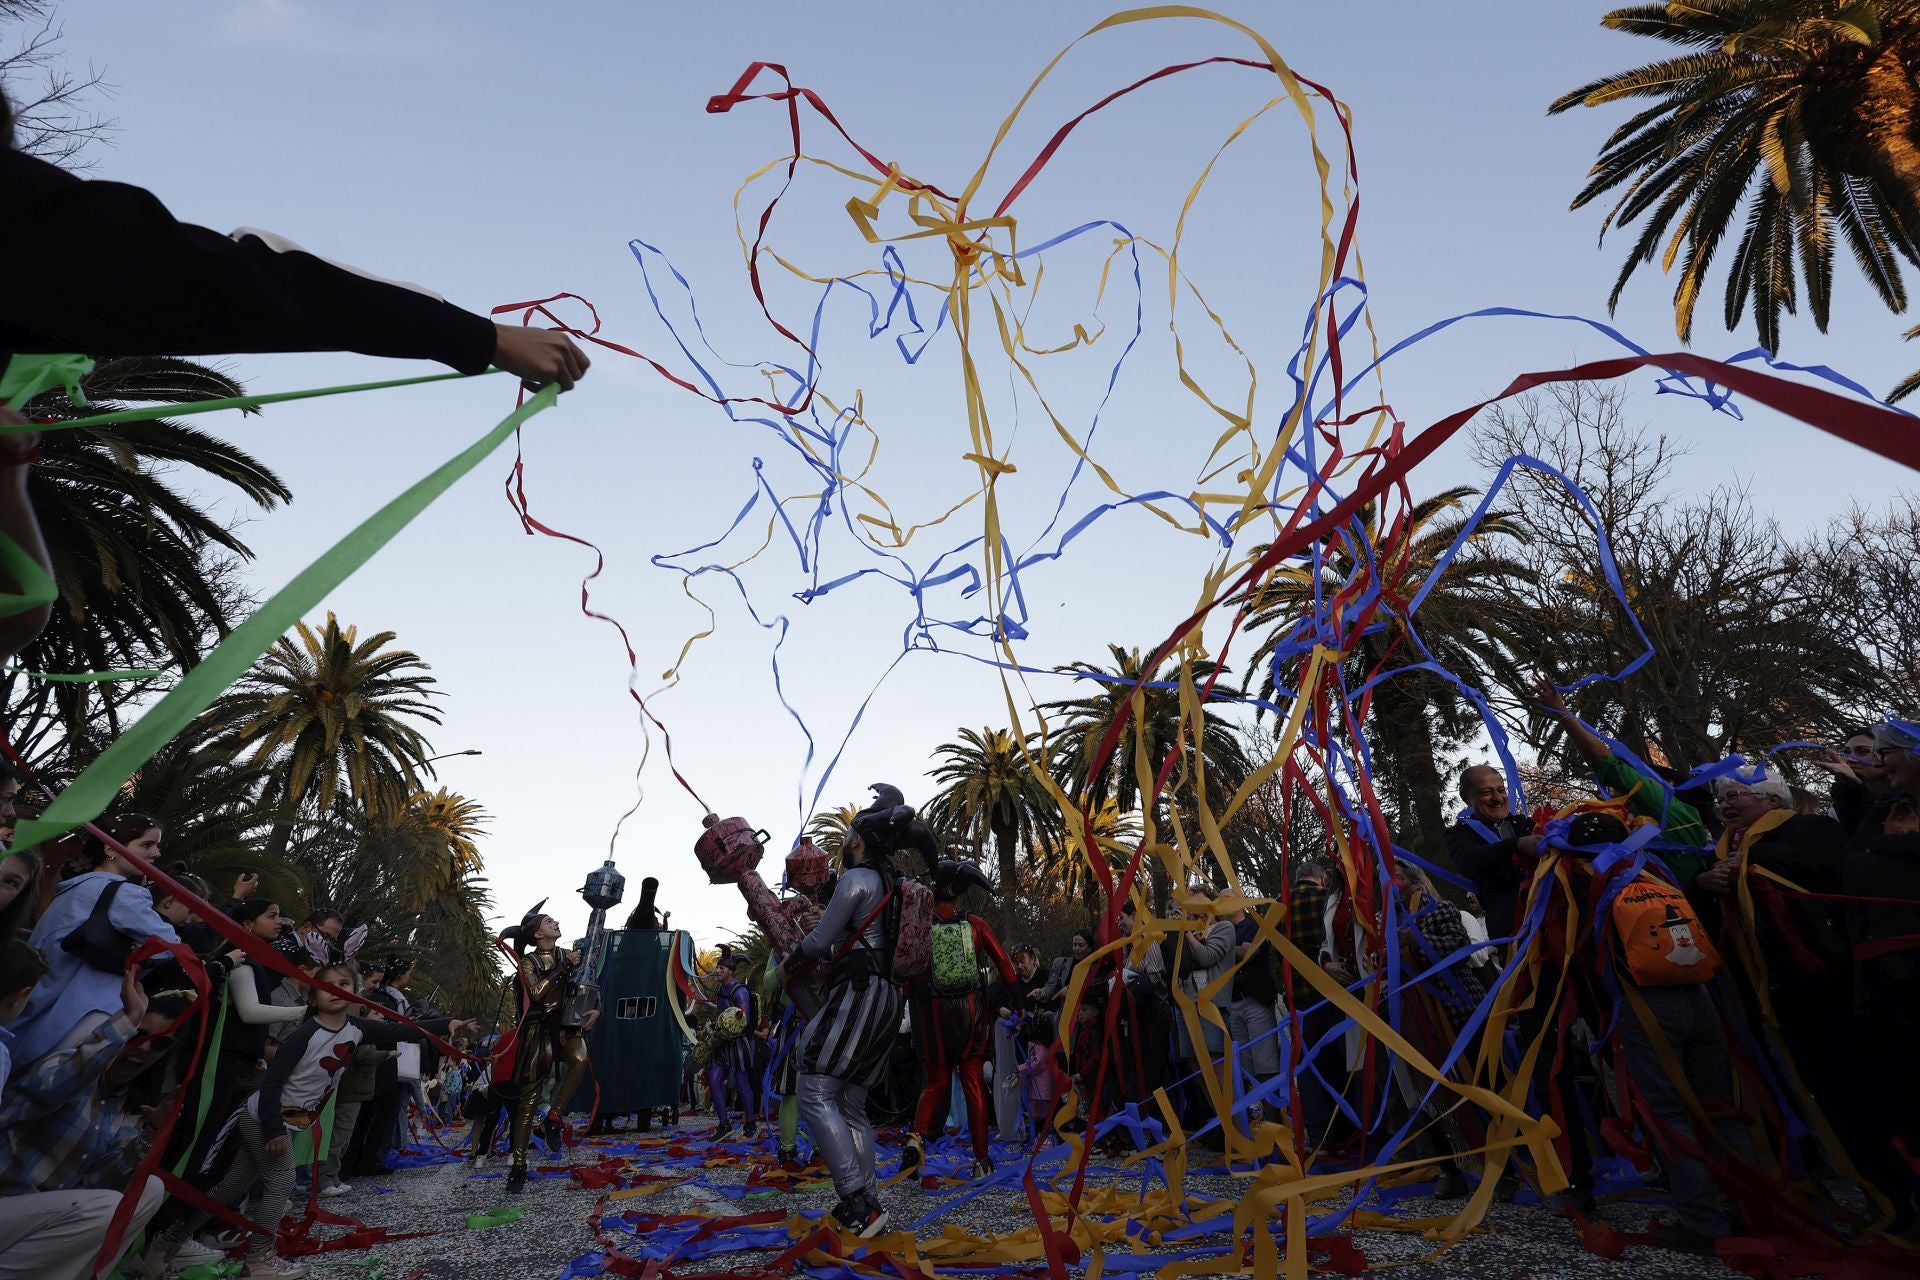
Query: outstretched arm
{"points": [[995, 951], [110, 269], [1592, 748]]}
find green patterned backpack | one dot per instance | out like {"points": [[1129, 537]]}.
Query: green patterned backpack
{"points": [[956, 968]]}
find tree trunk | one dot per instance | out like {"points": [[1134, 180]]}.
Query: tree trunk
{"points": [[1403, 713], [1004, 839]]}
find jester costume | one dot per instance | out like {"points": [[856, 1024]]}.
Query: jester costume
{"points": [[732, 1060], [954, 1025], [543, 978], [847, 1042]]}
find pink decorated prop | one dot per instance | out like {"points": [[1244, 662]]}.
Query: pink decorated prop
{"points": [[729, 848]]}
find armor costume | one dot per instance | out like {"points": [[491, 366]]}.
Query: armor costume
{"points": [[544, 979], [954, 1025], [732, 1060], [846, 1043]]}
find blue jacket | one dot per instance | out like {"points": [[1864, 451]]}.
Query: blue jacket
{"points": [[72, 988]]}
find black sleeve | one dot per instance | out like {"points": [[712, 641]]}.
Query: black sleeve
{"points": [[1807, 849], [1851, 803], [1489, 866], [102, 268], [293, 1047]]}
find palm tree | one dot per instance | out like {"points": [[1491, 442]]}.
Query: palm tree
{"points": [[1454, 622], [1804, 111], [327, 708], [145, 571], [1159, 726], [457, 821], [989, 789], [208, 806], [829, 828], [391, 870], [1061, 865]]}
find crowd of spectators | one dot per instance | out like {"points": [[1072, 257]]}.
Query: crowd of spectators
{"points": [[1714, 982]]}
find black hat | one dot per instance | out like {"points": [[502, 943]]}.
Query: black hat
{"points": [[889, 825], [955, 876], [523, 932], [1595, 827]]}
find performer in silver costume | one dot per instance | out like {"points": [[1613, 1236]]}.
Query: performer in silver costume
{"points": [[846, 1043]]}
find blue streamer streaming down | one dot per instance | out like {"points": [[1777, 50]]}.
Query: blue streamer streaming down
{"points": [[820, 439]]}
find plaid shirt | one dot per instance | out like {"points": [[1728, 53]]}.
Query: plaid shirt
{"points": [[58, 1132], [1307, 917]]}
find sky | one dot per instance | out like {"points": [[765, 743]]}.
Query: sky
{"points": [[498, 153]]}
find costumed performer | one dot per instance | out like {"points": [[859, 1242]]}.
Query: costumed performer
{"points": [[543, 978], [951, 1014], [732, 1060], [810, 878], [847, 1042]]}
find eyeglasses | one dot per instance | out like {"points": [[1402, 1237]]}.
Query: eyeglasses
{"points": [[1885, 752]]}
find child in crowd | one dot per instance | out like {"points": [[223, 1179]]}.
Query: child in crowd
{"points": [[1041, 1075], [293, 1093], [20, 967]]}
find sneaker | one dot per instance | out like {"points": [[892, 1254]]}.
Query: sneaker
{"points": [[280, 1268], [751, 1132], [912, 1153], [335, 1189], [720, 1133], [195, 1253], [982, 1167], [861, 1215], [790, 1159], [479, 1161], [1450, 1185], [1671, 1235]]}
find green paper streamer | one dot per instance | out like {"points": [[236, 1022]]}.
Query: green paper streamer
{"points": [[96, 788], [228, 402], [25, 377], [36, 584], [213, 1271], [208, 1058], [492, 1218]]}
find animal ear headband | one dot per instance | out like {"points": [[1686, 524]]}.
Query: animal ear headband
{"points": [[323, 951]]}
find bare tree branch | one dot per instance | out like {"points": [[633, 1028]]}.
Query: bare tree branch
{"points": [[51, 118]]}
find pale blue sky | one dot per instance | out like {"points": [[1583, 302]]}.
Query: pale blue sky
{"points": [[501, 151]]}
